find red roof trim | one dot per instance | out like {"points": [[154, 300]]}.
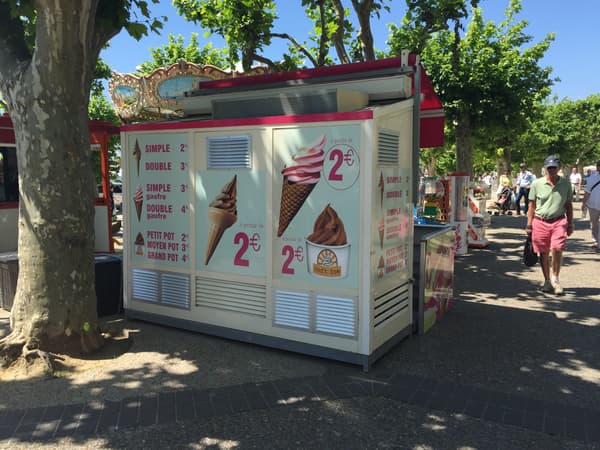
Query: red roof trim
{"points": [[303, 74]]}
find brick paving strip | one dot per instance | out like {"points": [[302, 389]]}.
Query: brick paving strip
{"points": [[89, 419]]}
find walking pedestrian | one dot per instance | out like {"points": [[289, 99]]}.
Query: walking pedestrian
{"points": [[591, 203], [550, 221], [575, 179], [524, 180]]}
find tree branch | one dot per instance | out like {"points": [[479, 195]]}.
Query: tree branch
{"points": [[338, 37], [295, 43]]}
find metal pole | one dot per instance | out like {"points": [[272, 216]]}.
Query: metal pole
{"points": [[416, 130]]}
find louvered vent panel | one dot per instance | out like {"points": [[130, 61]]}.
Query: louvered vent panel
{"points": [[336, 315], [175, 290], [145, 285], [245, 298], [389, 145], [390, 304], [292, 309], [229, 152]]}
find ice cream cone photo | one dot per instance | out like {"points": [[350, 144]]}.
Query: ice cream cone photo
{"points": [[138, 200], [299, 180], [222, 214], [137, 155]]}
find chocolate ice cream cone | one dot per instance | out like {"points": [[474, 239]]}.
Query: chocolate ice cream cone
{"points": [[293, 196], [138, 208], [220, 220]]}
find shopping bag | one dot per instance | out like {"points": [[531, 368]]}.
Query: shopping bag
{"points": [[530, 258]]}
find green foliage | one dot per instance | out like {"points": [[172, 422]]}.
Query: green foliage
{"points": [[175, 50], [568, 128], [487, 78], [245, 24]]}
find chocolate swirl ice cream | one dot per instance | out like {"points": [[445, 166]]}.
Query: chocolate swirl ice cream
{"points": [[328, 229], [227, 198]]}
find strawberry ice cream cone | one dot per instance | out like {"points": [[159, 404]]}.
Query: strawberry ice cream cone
{"points": [[299, 180]]}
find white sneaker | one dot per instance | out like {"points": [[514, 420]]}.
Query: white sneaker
{"points": [[557, 287], [546, 286]]}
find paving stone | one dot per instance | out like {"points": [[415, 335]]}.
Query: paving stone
{"points": [[513, 417], [6, 431], [13, 418], [254, 396], [89, 419], [270, 394], [166, 408], [109, 417], [237, 399], [575, 430], [533, 421], [219, 399], [184, 405], [421, 398], [202, 404], [69, 420], [475, 408], [319, 388], [148, 410], [130, 411]]}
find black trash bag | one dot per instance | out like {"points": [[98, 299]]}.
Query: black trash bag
{"points": [[530, 258]]}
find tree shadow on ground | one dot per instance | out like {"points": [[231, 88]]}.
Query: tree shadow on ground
{"points": [[501, 335]]}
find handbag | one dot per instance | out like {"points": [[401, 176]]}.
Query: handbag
{"points": [[530, 258]]}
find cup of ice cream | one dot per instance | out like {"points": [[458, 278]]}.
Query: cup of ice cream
{"points": [[139, 244], [327, 248]]}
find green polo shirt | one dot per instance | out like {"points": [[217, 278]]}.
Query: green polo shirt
{"points": [[550, 201]]}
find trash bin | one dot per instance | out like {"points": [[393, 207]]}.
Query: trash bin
{"points": [[9, 272], [109, 292]]}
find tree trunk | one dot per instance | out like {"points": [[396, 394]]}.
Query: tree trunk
{"points": [[55, 299], [464, 145]]}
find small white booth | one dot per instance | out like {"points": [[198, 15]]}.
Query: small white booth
{"points": [[280, 210], [100, 133]]}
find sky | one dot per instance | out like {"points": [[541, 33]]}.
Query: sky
{"points": [[574, 55]]}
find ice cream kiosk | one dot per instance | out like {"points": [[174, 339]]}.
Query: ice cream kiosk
{"points": [[279, 210]]}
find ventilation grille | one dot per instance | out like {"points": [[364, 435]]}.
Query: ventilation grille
{"points": [[244, 298], [229, 152], [389, 146], [292, 309], [389, 305], [175, 290], [321, 314], [163, 288], [145, 285], [336, 315]]}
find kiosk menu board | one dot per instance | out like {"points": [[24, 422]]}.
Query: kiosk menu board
{"points": [[159, 199]]}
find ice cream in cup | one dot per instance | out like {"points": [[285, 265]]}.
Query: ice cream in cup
{"points": [[327, 248], [139, 244]]}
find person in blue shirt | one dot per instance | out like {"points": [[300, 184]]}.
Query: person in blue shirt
{"points": [[524, 180]]}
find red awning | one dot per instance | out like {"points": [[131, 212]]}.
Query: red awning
{"points": [[432, 112]]}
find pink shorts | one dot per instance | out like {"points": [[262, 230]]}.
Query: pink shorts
{"points": [[549, 236]]}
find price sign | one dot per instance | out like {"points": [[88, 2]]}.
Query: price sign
{"points": [[341, 167]]}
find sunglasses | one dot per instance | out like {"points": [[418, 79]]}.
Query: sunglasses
{"points": [[552, 168]]}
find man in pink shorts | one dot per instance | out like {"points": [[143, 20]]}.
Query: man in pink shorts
{"points": [[550, 221]]}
